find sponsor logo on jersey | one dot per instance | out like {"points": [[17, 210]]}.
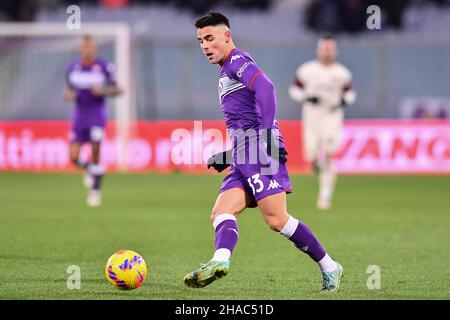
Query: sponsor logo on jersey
{"points": [[86, 79], [242, 68]]}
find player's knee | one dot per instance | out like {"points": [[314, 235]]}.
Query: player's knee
{"points": [[275, 224], [217, 212], [74, 159]]}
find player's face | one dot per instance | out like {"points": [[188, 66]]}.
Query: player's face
{"points": [[87, 50], [326, 50], [214, 41]]}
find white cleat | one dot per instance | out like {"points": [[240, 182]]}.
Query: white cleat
{"points": [[88, 180], [94, 198], [323, 204]]}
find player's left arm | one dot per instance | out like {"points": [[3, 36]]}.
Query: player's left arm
{"points": [[111, 88], [348, 93], [248, 73]]}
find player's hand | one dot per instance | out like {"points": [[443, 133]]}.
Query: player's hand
{"points": [[69, 95], [313, 100], [98, 91], [272, 148], [343, 105], [220, 161]]}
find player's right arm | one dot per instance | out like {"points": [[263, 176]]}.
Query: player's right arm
{"points": [[69, 92], [220, 161], [297, 90], [348, 93]]}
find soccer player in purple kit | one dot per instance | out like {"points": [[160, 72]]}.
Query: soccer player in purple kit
{"points": [[248, 102], [89, 81]]}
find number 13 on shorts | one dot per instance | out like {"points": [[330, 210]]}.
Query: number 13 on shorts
{"points": [[256, 182]]}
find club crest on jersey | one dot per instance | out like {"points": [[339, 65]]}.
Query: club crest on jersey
{"points": [[235, 57], [227, 85]]}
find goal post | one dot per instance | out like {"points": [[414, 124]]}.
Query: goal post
{"points": [[119, 39]]}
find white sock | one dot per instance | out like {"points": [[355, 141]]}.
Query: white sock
{"points": [[290, 227], [222, 254], [326, 264], [96, 169]]}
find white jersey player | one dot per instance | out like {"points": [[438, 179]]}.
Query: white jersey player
{"points": [[324, 88]]}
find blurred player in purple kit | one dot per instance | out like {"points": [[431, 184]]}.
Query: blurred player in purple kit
{"points": [[89, 81], [248, 102]]}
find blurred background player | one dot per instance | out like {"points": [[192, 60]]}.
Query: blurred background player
{"points": [[324, 87], [89, 81], [248, 102]]}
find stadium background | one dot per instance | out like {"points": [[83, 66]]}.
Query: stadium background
{"points": [[401, 71], [399, 124]]}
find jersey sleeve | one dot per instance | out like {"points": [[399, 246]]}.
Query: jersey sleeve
{"points": [[297, 87], [67, 77], [301, 75], [346, 77], [110, 74], [244, 70], [348, 93]]}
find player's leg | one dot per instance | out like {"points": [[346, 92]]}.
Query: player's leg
{"points": [[274, 211], [74, 153], [327, 175], [78, 137], [95, 169], [311, 146], [229, 204], [318, 146], [327, 181]]}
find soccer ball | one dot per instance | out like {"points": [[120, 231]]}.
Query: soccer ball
{"points": [[126, 270]]}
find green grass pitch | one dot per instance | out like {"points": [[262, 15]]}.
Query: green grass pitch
{"points": [[399, 223]]}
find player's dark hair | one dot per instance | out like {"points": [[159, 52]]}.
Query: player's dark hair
{"points": [[327, 36], [213, 18], [87, 37]]}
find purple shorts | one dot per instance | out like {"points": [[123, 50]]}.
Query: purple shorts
{"points": [[87, 134], [253, 180]]}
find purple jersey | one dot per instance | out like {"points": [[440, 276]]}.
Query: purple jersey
{"points": [[89, 110], [247, 108], [239, 104]]}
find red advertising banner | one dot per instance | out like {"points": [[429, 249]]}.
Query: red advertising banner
{"points": [[393, 146], [386, 146]]}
